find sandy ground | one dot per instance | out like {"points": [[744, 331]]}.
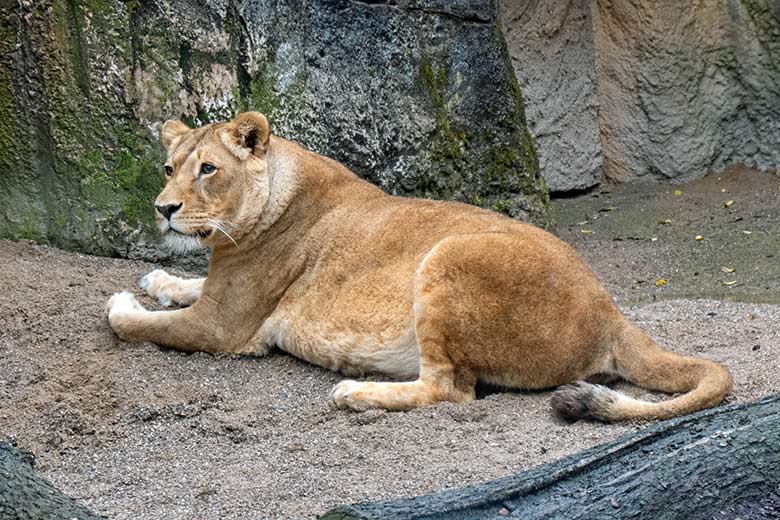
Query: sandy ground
{"points": [[135, 431]]}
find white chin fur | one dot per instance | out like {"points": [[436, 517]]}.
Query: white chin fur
{"points": [[181, 243]]}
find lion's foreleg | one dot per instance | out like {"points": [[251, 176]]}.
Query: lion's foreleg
{"points": [[182, 329], [172, 290]]}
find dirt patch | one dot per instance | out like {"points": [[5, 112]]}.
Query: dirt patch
{"points": [[636, 234], [136, 431]]}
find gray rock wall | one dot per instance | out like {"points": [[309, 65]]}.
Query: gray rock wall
{"points": [[680, 88], [687, 87], [552, 50], [418, 96]]}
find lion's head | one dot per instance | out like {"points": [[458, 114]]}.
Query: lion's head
{"points": [[216, 181]]}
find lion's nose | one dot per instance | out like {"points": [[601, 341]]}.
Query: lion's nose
{"points": [[168, 209]]}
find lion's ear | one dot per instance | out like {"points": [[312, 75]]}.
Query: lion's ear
{"points": [[251, 132], [172, 130]]}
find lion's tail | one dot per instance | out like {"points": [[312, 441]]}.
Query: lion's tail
{"points": [[643, 362]]}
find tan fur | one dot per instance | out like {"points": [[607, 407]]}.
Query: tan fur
{"points": [[311, 259]]}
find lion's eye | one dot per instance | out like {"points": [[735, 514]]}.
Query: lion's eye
{"points": [[168, 170], [207, 169]]}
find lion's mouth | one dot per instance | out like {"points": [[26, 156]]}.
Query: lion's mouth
{"points": [[201, 233]]}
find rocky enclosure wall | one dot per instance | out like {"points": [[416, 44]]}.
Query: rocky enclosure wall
{"points": [[551, 46], [680, 88], [687, 87], [418, 96]]}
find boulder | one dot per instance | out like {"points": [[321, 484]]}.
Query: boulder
{"points": [[417, 96]]}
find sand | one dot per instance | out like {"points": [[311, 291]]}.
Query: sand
{"points": [[136, 431]]}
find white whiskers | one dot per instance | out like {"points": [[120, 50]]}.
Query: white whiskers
{"points": [[220, 226]]}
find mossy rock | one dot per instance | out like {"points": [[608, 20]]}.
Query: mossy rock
{"points": [[419, 99]]}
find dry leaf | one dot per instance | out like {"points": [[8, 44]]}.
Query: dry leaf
{"points": [[728, 269], [660, 282], [699, 238], [677, 193], [728, 204], [730, 282]]}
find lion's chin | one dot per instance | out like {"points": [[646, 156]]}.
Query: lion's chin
{"points": [[179, 243]]}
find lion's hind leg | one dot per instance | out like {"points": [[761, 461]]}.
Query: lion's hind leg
{"points": [[171, 290], [441, 377], [437, 382], [430, 388]]}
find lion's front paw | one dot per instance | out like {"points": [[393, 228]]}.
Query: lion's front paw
{"points": [[159, 285], [352, 394], [119, 307], [123, 303]]}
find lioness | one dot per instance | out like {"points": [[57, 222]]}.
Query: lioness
{"points": [[309, 258]]}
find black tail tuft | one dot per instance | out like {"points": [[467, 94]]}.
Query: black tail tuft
{"points": [[583, 400]]}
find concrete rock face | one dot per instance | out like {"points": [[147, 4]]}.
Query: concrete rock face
{"points": [[687, 87], [679, 88], [552, 49], [417, 96]]}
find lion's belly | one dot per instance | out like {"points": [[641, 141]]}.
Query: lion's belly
{"points": [[392, 351]]}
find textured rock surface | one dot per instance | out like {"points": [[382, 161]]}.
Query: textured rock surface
{"points": [[681, 88], [687, 87], [551, 46], [416, 95]]}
